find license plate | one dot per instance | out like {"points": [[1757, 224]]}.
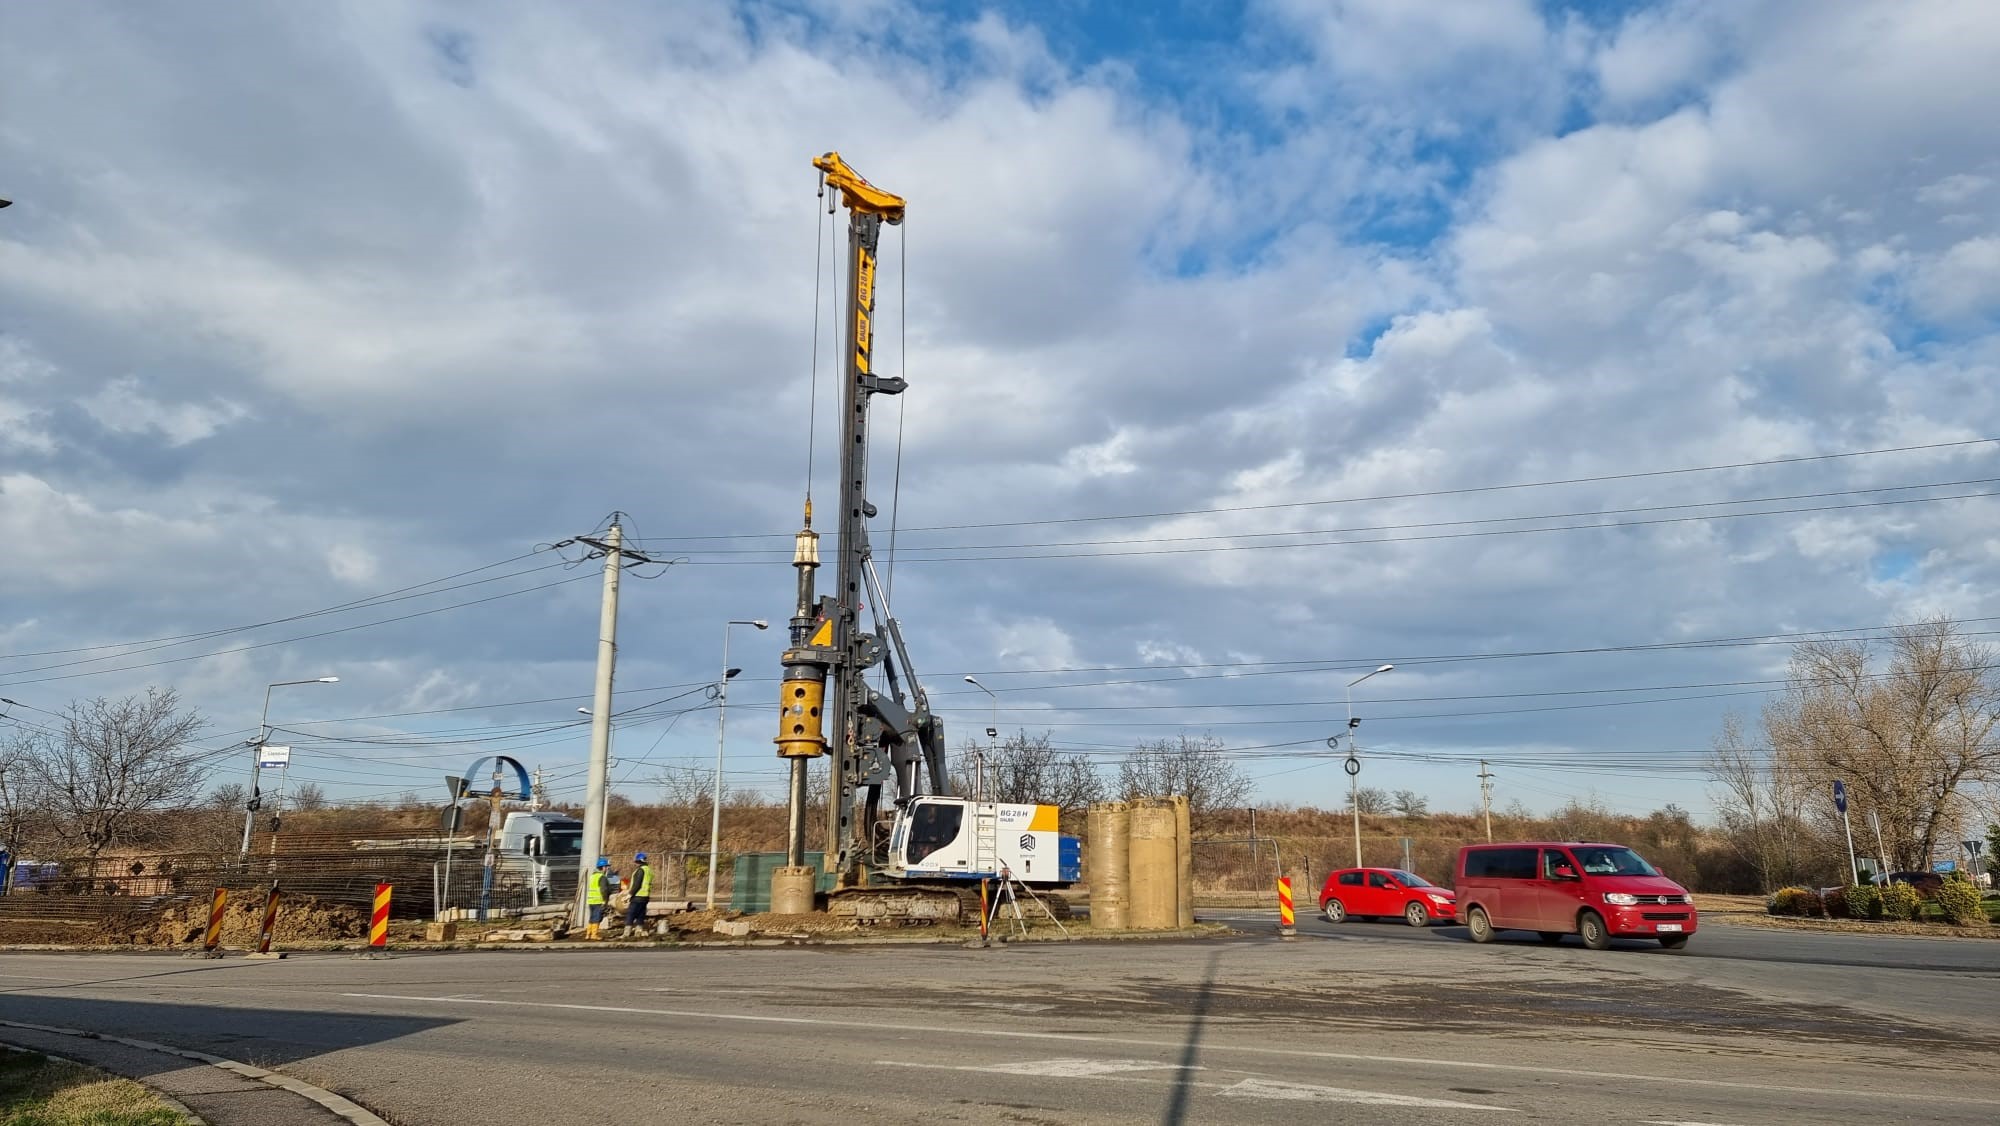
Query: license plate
{"points": [[1665, 927]]}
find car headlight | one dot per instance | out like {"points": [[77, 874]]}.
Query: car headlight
{"points": [[1620, 898], [1439, 899]]}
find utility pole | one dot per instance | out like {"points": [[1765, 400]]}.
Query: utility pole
{"points": [[1253, 836], [541, 793], [600, 715], [1354, 765], [721, 734], [255, 799], [1486, 797]]}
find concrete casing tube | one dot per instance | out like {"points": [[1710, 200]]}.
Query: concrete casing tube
{"points": [[1154, 864], [1184, 854], [1110, 876]]}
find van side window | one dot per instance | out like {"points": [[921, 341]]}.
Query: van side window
{"points": [[1500, 864], [1350, 879], [1552, 860]]}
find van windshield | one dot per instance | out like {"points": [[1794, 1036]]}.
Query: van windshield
{"points": [[1612, 862], [1410, 879]]}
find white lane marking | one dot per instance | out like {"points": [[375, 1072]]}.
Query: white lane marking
{"points": [[1246, 1049], [1072, 1068], [1304, 1092], [1670, 1122], [1253, 1088]]}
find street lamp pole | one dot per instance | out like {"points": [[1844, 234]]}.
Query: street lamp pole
{"points": [[1354, 745], [721, 731], [992, 735], [255, 799]]}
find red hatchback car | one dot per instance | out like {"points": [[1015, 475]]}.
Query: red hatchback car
{"points": [[1384, 893]]}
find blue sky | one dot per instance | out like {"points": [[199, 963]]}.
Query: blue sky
{"points": [[298, 308]]}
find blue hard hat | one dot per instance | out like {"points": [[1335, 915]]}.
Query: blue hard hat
{"points": [[639, 858], [604, 862]]}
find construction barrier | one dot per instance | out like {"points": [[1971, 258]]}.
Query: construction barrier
{"points": [[270, 920], [378, 923], [213, 939], [1287, 919]]}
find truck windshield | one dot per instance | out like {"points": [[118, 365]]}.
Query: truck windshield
{"points": [[1612, 862], [565, 842]]}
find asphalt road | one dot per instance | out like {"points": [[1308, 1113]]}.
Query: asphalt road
{"points": [[1366, 1022]]}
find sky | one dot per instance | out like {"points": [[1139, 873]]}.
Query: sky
{"points": [[1574, 358]]}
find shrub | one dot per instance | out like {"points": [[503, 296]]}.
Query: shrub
{"points": [[1899, 902], [1795, 901], [1836, 903], [1960, 902], [1864, 901]]}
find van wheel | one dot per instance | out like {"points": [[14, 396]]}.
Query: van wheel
{"points": [[1415, 915], [1551, 937], [1480, 926], [1673, 941], [1596, 935], [1334, 910]]}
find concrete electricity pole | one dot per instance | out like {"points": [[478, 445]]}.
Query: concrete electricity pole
{"points": [[600, 717], [1486, 797]]}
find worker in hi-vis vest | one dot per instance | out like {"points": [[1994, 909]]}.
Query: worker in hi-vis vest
{"points": [[642, 894], [598, 892]]}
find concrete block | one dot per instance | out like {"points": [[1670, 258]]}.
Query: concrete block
{"points": [[440, 932], [738, 928]]}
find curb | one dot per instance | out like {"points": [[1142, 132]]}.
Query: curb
{"points": [[346, 1108]]}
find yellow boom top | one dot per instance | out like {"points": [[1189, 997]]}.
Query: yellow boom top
{"points": [[857, 193]]}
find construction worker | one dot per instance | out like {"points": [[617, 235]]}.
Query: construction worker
{"points": [[595, 896], [642, 894]]}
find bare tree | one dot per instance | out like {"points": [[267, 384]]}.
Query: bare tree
{"points": [[112, 763], [1762, 810], [310, 798], [229, 795], [1028, 768], [1370, 800], [1411, 804], [1909, 741], [1183, 765]]}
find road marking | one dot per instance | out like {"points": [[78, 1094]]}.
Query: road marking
{"points": [[1252, 1088], [1072, 1068], [1207, 1047], [1305, 1092]]}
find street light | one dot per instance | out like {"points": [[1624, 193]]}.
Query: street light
{"points": [[721, 733], [992, 734], [1354, 776], [255, 799]]}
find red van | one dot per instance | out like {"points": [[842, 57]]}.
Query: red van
{"points": [[1600, 891]]}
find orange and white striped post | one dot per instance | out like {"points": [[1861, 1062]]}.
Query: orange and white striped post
{"points": [[1287, 918], [213, 938], [270, 920], [378, 923]]}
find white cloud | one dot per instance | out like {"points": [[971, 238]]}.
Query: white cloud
{"points": [[122, 407]]}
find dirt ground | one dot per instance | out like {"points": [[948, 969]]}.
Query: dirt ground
{"points": [[183, 924]]}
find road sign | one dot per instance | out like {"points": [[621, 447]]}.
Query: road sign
{"points": [[270, 758], [1944, 866], [450, 818], [1352, 765], [1840, 795], [455, 786], [1973, 848]]}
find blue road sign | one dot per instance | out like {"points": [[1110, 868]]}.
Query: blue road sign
{"points": [[1944, 866], [1840, 795]]}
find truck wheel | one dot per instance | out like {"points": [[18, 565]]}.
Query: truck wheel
{"points": [[1596, 935], [1480, 926]]}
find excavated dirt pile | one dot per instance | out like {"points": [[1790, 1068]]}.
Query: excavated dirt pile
{"points": [[182, 923]]}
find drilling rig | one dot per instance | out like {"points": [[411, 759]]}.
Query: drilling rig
{"points": [[922, 856]]}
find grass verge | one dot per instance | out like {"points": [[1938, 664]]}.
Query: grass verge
{"points": [[38, 1091]]}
